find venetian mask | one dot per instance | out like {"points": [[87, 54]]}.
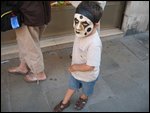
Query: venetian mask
{"points": [[82, 25]]}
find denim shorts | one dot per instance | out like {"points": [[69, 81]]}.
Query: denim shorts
{"points": [[87, 87]]}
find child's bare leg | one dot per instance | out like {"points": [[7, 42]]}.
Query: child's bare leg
{"points": [[68, 95], [83, 96], [65, 103]]}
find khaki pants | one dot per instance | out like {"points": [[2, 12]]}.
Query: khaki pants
{"points": [[29, 47]]}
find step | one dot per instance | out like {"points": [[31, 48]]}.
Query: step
{"points": [[11, 51]]}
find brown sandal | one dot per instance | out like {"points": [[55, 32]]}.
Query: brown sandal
{"points": [[60, 107], [80, 103]]}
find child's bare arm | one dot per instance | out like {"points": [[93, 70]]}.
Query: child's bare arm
{"points": [[80, 67]]}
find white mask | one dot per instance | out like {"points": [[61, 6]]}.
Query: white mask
{"points": [[82, 25]]}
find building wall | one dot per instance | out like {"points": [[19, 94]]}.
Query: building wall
{"points": [[136, 18], [62, 21], [131, 17]]}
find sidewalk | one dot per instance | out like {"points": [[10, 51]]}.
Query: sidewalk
{"points": [[122, 87]]}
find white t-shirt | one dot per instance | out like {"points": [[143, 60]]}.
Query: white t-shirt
{"points": [[87, 51]]}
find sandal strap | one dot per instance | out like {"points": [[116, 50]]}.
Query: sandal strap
{"points": [[60, 107], [82, 100], [80, 103]]}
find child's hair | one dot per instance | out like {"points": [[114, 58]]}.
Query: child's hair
{"points": [[90, 9]]}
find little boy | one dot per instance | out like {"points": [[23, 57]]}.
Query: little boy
{"points": [[86, 56]]}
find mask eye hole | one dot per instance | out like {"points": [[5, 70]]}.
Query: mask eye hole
{"points": [[76, 21], [85, 24]]}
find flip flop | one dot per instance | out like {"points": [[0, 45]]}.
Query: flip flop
{"points": [[16, 70], [33, 78]]}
